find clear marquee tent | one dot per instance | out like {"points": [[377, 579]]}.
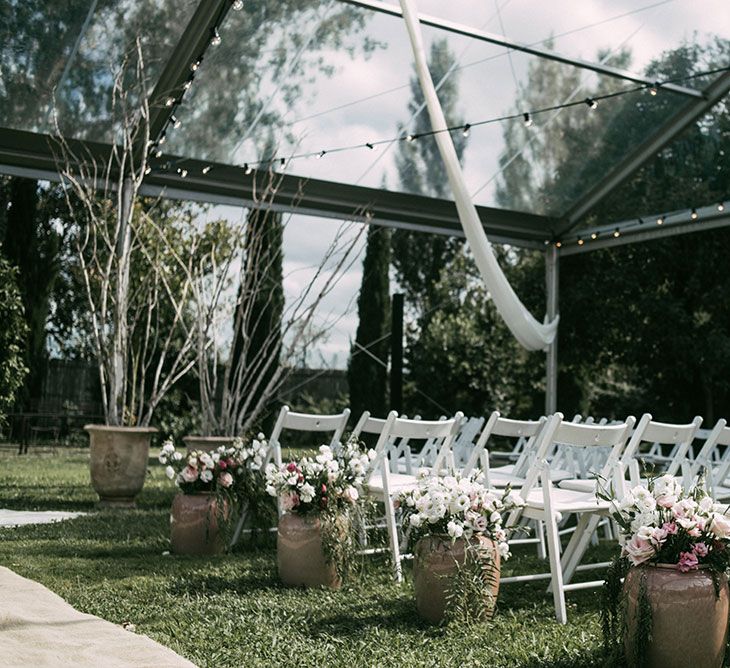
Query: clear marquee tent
{"points": [[330, 79]]}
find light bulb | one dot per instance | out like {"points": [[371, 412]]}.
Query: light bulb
{"points": [[147, 169], [528, 119], [592, 104], [660, 220], [321, 154], [654, 89], [206, 169], [558, 244], [158, 153], [188, 83], [693, 215], [720, 206], [237, 5], [183, 172], [616, 233], [215, 40], [370, 146], [169, 101], [466, 130], [162, 139], [176, 122], [580, 241], [594, 235], [195, 65], [410, 137], [247, 169]]}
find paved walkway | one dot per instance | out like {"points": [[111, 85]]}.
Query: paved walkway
{"points": [[39, 629], [16, 518]]}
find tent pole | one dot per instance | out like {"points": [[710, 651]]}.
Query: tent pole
{"points": [[551, 286]]}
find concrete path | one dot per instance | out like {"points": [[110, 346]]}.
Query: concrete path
{"points": [[16, 518], [39, 629]]}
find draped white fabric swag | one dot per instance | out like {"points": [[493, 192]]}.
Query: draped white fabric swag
{"points": [[526, 329]]}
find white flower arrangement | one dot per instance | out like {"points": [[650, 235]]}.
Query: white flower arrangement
{"points": [[326, 481], [460, 507]]}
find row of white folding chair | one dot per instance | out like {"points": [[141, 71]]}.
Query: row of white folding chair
{"points": [[715, 466]]}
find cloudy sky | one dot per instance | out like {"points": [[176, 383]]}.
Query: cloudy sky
{"points": [[365, 99]]}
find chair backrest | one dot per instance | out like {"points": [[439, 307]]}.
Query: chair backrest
{"points": [[526, 430], [306, 422], [440, 432], [720, 435], [580, 436], [662, 433]]}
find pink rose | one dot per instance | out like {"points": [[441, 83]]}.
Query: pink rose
{"points": [[670, 527], [222, 465], [700, 549], [225, 479], [720, 526], [687, 561], [638, 550], [190, 474], [291, 467]]}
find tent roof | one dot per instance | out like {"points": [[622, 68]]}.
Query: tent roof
{"points": [[322, 76]]}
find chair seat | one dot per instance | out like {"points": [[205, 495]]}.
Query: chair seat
{"points": [[567, 501], [399, 482], [501, 476]]}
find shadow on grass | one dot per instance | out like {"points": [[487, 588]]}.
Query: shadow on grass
{"points": [[362, 619]]}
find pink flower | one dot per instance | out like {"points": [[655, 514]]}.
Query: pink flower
{"points": [[720, 526], [291, 467], [639, 550], [700, 549], [687, 561], [222, 465], [225, 479], [670, 527], [289, 501], [190, 474]]}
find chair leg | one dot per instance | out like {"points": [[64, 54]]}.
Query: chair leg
{"points": [[393, 538], [584, 531], [239, 526], [553, 543], [540, 535]]}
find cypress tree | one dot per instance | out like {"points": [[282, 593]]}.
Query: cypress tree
{"points": [[367, 378]]}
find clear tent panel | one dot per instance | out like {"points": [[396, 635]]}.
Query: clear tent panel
{"points": [[62, 55]]}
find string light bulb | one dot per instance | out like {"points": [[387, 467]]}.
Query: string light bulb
{"points": [[147, 170], [169, 101], [162, 139], [183, 172], [580, 241], [158, 153], [206, 169], [720, 206], [594, 235], [195, 65], [617, 233], [320, 155], [558, 244], [410, 137], [694, 215], [660, 220], [528, 119], [466, 130], [592, 104], [654, 89], [188, 82], [215, 40], [370, 146], [247, 169], [176, 122], [237, 5]]}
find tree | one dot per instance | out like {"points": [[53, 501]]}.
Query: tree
{"points": [[418, 259], [12, 338], [31, 245], [367, 372]]}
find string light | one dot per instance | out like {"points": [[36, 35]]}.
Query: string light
{"points": [[694, 215], [594, 235], [183, 172], [206, 169], [660, 220], [410, 137], [592, 104], [188, 82], [466, 130], [158, 153], [247, 169], [176, 122], [654, 89], [282, 161], [169, 101], [580, 241], [558, 244], [147, 170], [162, 138], [321, 155], [528, 119], [237, 5], [370, 146], [195, 65], [215, 40], [720, 206], [616, 233]]}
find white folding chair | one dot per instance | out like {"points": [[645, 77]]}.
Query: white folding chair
{"points": [[716, 476], [303, 422], [550, 504], [464, 442], [383, 485]]}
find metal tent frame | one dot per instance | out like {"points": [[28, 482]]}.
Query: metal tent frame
{"points": [[31, 154]]}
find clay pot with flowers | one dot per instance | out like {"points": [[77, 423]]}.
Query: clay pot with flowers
{"points": [[209, 484], [317, 496], [455, 525], [672, 609]]}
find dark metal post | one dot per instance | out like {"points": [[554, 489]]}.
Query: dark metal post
{"points": [[396, 353]]}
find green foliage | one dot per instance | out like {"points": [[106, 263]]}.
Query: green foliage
{"points": [[470, 599], [367, 373], [12, 338]]}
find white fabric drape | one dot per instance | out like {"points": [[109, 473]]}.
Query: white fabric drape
{"points": [[528, 331]]}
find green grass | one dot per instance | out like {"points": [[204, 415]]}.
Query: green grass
{"points": [[232, 611]]}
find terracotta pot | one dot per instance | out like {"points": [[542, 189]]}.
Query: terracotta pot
{"points": [[436, 559], [118, 463], [207, 443], [195, 524], [299, 553], [689, 622]]}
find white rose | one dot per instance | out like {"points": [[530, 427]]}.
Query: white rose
{"points": [[416, 520], [170, 472], [206, 475], [177, 456], [168, 448], [720, 526], [306, 492], [455, 530], [351, 494]]}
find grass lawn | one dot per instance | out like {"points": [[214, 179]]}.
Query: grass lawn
{"points": [[232, 611]]}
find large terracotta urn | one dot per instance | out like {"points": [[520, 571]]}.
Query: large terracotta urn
{"points": [[195, 524], [436, 560], [689, 620], [300, 556], [207, 443], [118, 463]]}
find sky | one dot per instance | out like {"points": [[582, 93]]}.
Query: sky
{"points": [[365, 99]]}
